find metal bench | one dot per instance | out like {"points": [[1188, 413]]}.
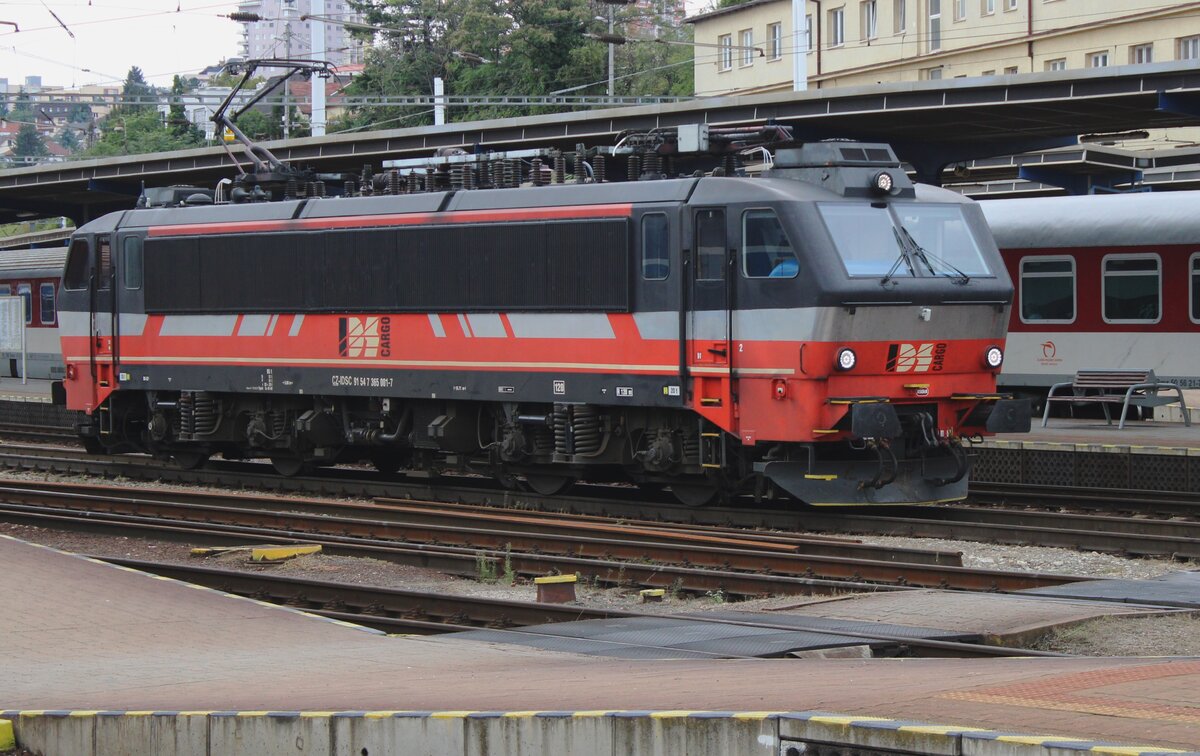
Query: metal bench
{"points": [[1125, 387]]}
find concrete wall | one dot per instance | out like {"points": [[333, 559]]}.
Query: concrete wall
{"points": [[636, 733]]}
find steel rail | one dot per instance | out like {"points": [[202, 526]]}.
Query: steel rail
{"points": [[388, 608], [529, 541], [1119, 500], [406, 513], [1137, 537]]}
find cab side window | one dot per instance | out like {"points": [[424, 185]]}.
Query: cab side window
{"points": [[656, 254], [75, 276], [131, 262], [766, 251]]}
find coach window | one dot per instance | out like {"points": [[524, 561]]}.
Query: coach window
{"points": [[1047, 289], [710, 245], [1194, 266], [46, 313], [656, 253], [76, 275], [131, 262], [1132, 289], [766, 251], [25, 291], [5, 290]]}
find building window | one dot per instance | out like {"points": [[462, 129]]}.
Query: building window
{"points": [[775, 38], [1132, 289], [837, 27], [46, 294], [988, 7], [989, 72], [1189, 48], [870, 19], [1009, 70], [1141, 53], [1098, 59], [933, 74], [725, 57], [1058, 64], [1010, 5], [900, 15], [1195, 266], [935, 25], [960, 10], [747, 37], [1047, 289], [808, 34]]}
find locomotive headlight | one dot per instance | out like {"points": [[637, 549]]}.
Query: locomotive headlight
{"points": [[993, 357], [846, 359], [883, 182]]}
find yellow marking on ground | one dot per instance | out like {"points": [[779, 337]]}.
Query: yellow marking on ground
{"points": [[379, 714], [316, 714], [277, 553], [251, 714], [594, 713], [84, 713], [139, 713], [8, 739], [756, 714], [554, 579], [450, 714], [520, 714], [844, 720], [671, 714], [938, 729]]}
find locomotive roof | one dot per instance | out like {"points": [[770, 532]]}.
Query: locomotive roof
{"points": [[47, 261], [720, 190], [1099, 220]]}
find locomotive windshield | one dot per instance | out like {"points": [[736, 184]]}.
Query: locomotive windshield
{"points": [[904, 240]]}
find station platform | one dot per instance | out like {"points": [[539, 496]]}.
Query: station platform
{"points": [[33, 390], [102, 659], [1145, 455]]}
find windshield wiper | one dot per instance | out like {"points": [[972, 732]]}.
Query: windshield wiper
{"points": [[902, 258], [958, 276]]}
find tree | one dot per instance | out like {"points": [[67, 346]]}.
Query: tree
{"points": [[22, 110], [177, 120], [136, 88], [29, 143], [69, 140], [533, 47], [135, 133]]}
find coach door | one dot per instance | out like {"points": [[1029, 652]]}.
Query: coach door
{"points": [[710, 358]]}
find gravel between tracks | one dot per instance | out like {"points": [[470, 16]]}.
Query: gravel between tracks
{"points": [[1153, 636]]}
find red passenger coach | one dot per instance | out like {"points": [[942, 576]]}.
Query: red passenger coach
{"points": [[1103, 281], [827, 331]]}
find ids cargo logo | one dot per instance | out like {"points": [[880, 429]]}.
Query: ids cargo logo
{"points": [[915, 358], [365, 337]]}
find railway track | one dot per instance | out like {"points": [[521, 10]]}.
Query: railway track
{"points": [[661, 559], [39, 434], [415, 612], [1042, 527]]}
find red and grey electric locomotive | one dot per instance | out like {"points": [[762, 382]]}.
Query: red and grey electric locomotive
{"points": [[827, 330]]}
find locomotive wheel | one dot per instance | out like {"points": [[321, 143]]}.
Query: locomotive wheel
{"points": [[549, 485], [289, 467], [695, 494], [93, 445], [386, 463], [189, 459]]}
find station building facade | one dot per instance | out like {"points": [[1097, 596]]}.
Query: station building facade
{"points": [[748, 48]]}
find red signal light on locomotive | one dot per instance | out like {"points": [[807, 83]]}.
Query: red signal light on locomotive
{"points": [[993, 357], [846, 359]]}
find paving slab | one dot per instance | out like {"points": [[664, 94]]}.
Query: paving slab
{"points": [[999, 617], [80, 635], [1176, 589]]}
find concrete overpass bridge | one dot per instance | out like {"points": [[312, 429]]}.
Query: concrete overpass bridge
{"points": [[930, 125]]}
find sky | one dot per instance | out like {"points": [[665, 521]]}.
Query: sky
{"points": [[162, 37]]}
